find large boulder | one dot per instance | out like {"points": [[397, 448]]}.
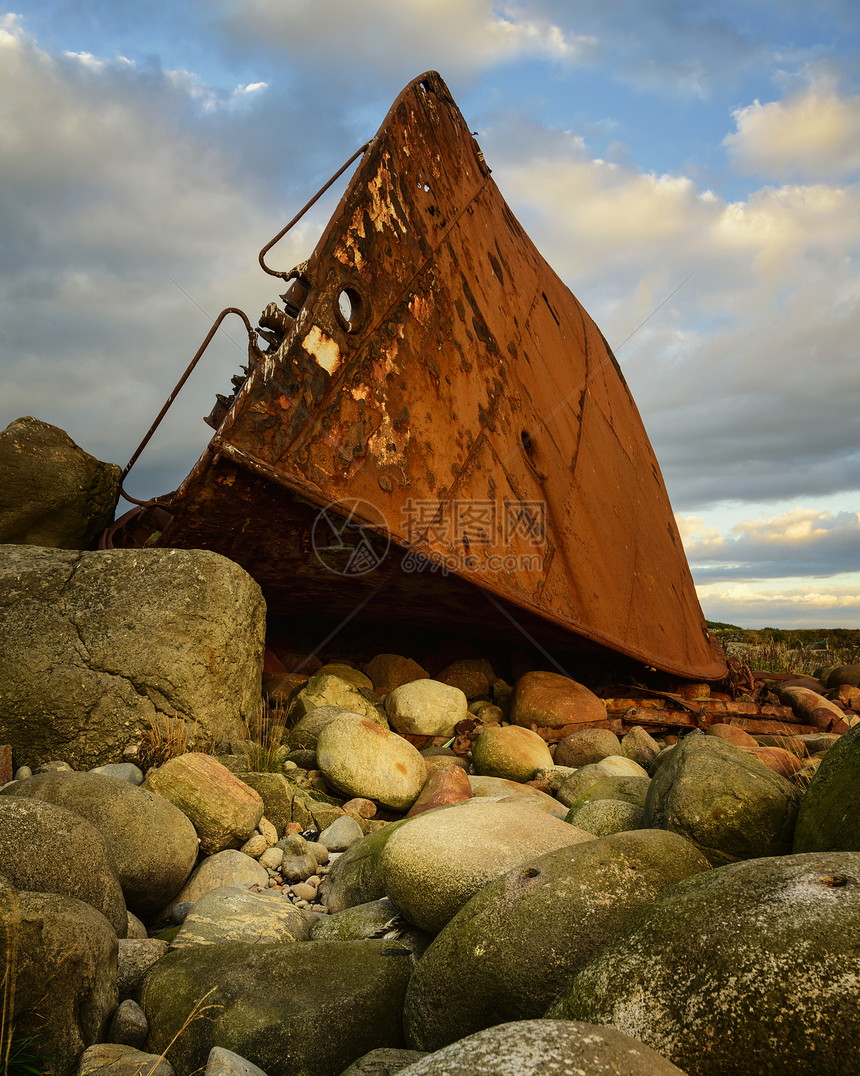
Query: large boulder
{"points": [[438, 860], [829, 815], [223, 810], [49, 849], [512, 948], [544, 1048], [53, 493], [748, 969], [726, 802], [360, 758], [153, 844], [101, 648], [549, 700], [301, 1009], [64, 970]]}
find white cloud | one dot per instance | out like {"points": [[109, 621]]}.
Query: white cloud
{"points": [[108, 193], [813, 134], [460, 37], [789, 604]]}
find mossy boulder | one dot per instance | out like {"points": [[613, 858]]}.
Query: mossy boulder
{"points": [[726, 802], [303, 1009], [510, 951], [829, 815], [750, 968], [356, 876]]}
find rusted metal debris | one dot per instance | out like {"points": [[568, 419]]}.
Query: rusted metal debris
{"points": [[431, 385]]}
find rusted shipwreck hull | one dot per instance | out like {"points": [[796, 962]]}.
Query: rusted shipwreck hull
{"points": [[433, 387]]}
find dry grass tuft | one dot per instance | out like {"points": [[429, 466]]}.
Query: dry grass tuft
{"points": [[263, 738], [166, 737]]}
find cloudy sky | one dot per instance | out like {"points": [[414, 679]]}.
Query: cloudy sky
{"points": [[691, 169]]}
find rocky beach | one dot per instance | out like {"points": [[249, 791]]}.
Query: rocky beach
{"points": [[222, 853]]}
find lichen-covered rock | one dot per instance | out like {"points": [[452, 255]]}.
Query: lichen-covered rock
{"points": [[602, 817], [284, 801], [544, 1048], [586, 777], [302, 1009], [228, 868], [510, 950], [223, 810], [65, 974], [121, 1060], [329, 689], [53, 493], [750, 968], [727, 803], [238, 914], [437, 861], [100, 647], [360, 758], [50, 849], [304, 734], [153, 844], [829, 815], [549, 700]]}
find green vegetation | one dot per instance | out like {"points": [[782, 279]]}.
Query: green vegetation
{"points": [[791, 650]]}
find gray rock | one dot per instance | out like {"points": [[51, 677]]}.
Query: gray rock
{"points": [[123, 771], [230, 867], [829, 815], [284, 801], [223, 1062], [134, 959], [79, 865], [65, 975], [121, 1060], [426, 708], [223, 810], [298, 862], [382, 1062], [356, 876], [724, 800], [376, 919], [511, 949], [750, 968], [128, 1025], [544, 1048], [360, 758], [329, 1003], [235, 914], [153, 844], [53, 493], [434, 863], [341, 834], [99, 648]]}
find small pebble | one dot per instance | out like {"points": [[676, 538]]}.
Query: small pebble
{"points": [[304, 891]]}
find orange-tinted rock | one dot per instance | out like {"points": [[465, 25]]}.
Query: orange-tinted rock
{"points": [[549, 700], [445, 786], [777, 759], [732, 734], [388, 671], [434, 763], [473, 676]]}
